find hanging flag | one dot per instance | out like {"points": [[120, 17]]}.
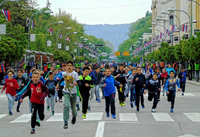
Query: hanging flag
{"points": [[186, 28], [175, 29], [68, 39], [172, 28], [27, 22], [60, 36], [6, 14], [183, 28], [157, 37], [160, 35], [50, 31], [33, 24]]}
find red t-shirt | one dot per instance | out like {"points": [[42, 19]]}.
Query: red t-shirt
{"points": [[11, 86]]}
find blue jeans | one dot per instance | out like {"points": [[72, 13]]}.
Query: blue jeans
{"points": [[17, 98], [10, 102], [97, 91], [127, 88], [132, 96], [56, 94]]}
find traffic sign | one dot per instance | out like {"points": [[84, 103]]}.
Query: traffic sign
{"points": [[99, 45], [126, 53], [117, 53]]}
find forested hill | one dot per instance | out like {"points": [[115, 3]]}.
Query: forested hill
{"points": [[114, 33]]}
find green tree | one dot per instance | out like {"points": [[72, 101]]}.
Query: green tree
{"points": [[10, 50]]}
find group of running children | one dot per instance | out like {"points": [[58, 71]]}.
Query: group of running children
{"points": [[73, 84]]}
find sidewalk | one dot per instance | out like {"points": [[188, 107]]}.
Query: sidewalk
{"points": [[193, 82]]}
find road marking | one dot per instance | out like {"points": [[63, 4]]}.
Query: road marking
{"points": [[96, 116], [100, 129], [127, 117], [56, 117], [22, 119], [188, 94], [188, 135], [162, 117], [194, 117], [2, 115], [3, 96]]}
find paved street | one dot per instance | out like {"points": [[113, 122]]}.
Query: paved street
{"points": [[185, 121]]}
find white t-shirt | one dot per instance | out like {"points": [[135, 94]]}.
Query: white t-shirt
{"points": [[69, 80]]}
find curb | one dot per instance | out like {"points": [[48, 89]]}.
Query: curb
{"points": [[194, 83]]}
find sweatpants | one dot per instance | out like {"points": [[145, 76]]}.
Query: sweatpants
{"points": [[171, 98], [84, 95], [40, 109], [153, 96], [51, 102], [121, 94], [182, 86], [10, 102], [69, 99], [137, 90], [110, 100], [60, 92]]}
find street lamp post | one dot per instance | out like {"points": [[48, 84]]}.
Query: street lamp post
{"points": [[69, 34], [190, 21], [58, 33], [47, 30], [29, 28], [162, 12], [155, 30], [153, 23]]}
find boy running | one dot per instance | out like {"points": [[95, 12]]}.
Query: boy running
{"points": [[154, 88], [171, 89], [37, 93], [182, 76], [140, 84], [11, 86], [70, 79], [108, 83], [51, 84], [21, 82], [85, 83], [132, 87]]}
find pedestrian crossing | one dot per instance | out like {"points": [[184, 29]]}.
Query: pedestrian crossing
{"points": [[100, 116], [162, 117]]}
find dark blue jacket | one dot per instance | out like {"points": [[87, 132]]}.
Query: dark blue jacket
{"points": [[110, 85], [99, 77], [184, 74], [92, 75]]}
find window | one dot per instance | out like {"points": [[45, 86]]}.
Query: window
{"points": [[171, 20]]}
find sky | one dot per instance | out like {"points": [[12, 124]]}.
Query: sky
{"points": [[101, 11]]}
